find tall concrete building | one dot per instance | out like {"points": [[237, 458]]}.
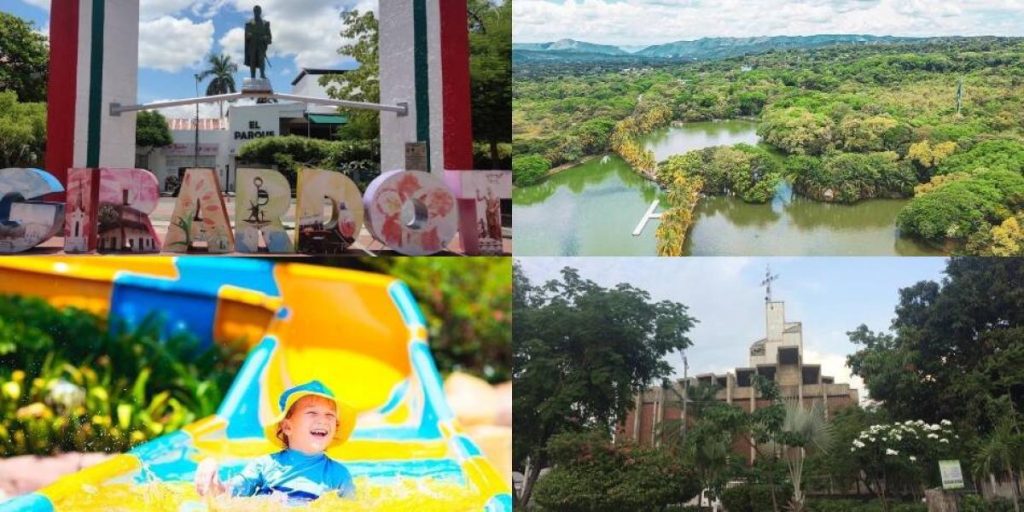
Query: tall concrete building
{"points": [[779, 356]]}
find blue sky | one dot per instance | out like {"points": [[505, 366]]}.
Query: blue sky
{"points": [[176, 35], [647, 22], [829, 295]]}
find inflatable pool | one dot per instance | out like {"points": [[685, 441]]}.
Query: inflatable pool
{"points": [[361, 334]]}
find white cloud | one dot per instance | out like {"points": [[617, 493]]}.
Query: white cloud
{"points": [[42, 4], [206, 110], [306, 30], [834, 365], [660, 21], [172, 44], [232, 43]]}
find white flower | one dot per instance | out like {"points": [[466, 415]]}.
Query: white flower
{"points": [[858, 444], [852, 449], [944, 440], [913, 459], [890, 451], [946, 422], [932, 436]]}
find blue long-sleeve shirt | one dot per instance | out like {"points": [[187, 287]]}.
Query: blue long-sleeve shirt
{"points": [[299, 476]]}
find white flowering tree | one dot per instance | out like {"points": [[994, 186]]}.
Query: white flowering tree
{"points": [[901, 452]]}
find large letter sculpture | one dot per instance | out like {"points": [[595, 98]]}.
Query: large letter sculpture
{"points": [[108, 209], [200, 215], [480, 194], [316, 233], [26, 222], [262, 198], [413, 212]]}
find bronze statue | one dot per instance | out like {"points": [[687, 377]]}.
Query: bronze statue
{"points": [[257, 39]]}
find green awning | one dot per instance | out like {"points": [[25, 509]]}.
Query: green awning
{"points": [[327, 118]]}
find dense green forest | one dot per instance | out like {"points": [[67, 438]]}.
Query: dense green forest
{"points": [[941, 121]]}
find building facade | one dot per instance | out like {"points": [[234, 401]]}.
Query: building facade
{"points": [[779, 357], [220, 139]]}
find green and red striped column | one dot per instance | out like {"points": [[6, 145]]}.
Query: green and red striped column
{"points": [[94, 46]]}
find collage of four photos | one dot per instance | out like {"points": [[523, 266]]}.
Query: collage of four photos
{"points": [[259, 255]]}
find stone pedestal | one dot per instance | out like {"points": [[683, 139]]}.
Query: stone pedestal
{"points": [[256, 85]]}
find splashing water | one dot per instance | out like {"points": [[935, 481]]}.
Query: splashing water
{"points": [[403, 494]]}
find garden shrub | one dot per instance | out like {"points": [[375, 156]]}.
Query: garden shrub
{"points": [[755, 497], [592, 475], [74, 382], [529, 169], [357, 159]]}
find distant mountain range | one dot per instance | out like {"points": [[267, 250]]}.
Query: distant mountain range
{"points": [[707, 48], [570, 46]]}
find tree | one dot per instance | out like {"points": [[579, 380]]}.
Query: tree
{"points": [[362, 83], [22, 132], [24, 59], [580, 353], [954, 348], [529, 169], [223, 72], [1002, 453], [490, 70], [151, 130]]}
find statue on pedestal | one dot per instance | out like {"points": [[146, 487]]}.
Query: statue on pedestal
{"points": [[257, 39]]}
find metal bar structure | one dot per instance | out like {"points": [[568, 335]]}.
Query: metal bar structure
{"points": [[647, 216], [401, 108]]}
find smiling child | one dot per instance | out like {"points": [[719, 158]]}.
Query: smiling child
{"points": [[311, 421]]}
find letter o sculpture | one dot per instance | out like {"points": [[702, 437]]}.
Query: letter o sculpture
{"points": [[413, 212]]}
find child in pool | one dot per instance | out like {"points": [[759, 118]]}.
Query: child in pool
{"points": [[311, 421]]}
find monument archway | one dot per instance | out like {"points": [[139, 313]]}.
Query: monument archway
{"points": [[424, 53]]}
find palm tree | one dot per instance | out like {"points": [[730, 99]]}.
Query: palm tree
{"points": [[1000, 454], [223, 72], [803, 431]]}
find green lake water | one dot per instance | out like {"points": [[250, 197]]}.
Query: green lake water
{"points": [[591, 210]]}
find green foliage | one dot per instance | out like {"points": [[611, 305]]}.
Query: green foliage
{"points": [[151, 130], [976, 503], [357, 159], [25, 56], [751, 498], [22, 131], [796, 130], [363, 83], [592, 475], [851, 177], [469, 332], [529, 169], [580, 352], [223, 72], [742, 170], [482, 156], [72, 382], [490, 71], [994, 155], [954, 350], [683, 193], [959, 209]]}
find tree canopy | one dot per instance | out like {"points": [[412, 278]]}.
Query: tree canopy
{"points": [[24, 59], [151, 130], [580, 353], [953, 351], [362, 83], [490, 71]]}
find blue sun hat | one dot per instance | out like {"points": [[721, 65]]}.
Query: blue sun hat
{"points": [[346, 415]]}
